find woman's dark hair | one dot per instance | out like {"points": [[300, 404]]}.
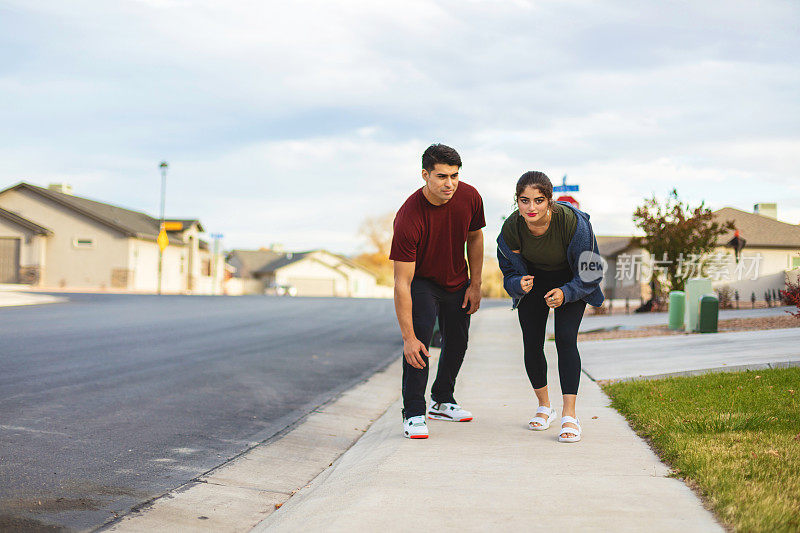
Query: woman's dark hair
{"points": [[440, 153], [537, 180]]}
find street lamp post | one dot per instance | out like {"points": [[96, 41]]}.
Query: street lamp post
{"points": [[162, 234], [215, 262]]}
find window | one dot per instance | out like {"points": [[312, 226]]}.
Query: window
{"points": [[83, 242], [796, 261]]}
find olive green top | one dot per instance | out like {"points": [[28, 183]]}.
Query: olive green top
{"points": [[549, 250]]}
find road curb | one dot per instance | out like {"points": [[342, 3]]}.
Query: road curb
{"points": [[699, 372], [241, 493]]}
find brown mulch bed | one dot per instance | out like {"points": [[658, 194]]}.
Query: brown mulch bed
{"points": [[730, 324]]}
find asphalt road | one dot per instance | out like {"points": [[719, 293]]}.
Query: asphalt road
{"points": [[110, 400]]}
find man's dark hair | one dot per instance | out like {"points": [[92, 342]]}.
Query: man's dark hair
{"points": [[439, 153]]}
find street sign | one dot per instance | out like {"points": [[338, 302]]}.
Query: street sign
{"points": [[564, 187], [173, 225], [162, 239]]}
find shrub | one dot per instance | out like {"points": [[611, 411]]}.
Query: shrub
{"points": [[791, 296], [725, 295]]}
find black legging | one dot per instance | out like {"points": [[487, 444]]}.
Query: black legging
{"points": [[533, 313]]}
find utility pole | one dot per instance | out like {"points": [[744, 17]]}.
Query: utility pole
{"points": [[162, 240], [215, 262]]}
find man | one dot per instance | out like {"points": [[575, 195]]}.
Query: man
{"points": [[431, 279]]}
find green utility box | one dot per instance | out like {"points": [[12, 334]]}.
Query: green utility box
{"points": [[709, 314], [695, 289], [677, 308]]}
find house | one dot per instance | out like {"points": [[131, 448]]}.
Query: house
{"points": [[623, 278], [311, 273], [771, 252], [50, 238]]}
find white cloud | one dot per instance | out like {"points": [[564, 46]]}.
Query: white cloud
{"points": [[290, 122]]}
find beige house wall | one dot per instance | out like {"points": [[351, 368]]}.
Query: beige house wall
{"points": [[312, 278], [759, 270], [360, 284], [31, 252], [102, 265], [144, 261], [183, 270]]}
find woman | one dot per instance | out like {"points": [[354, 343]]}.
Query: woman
{"points": [[547, 252]]}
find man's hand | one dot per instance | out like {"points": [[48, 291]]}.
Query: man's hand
{"points": [[526, 283], [472, 298], [411, 351], [554, 298]]}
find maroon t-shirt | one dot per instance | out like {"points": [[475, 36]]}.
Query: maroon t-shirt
{"points": [[433, 236]]}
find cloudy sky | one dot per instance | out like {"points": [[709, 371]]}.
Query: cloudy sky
{"points": [[290, 122]]}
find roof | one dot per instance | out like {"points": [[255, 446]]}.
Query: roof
{"points": [[129, 222], [283, 260], [24, 222], [758, 230], [609, 245], [253, 260], [268, 261]]}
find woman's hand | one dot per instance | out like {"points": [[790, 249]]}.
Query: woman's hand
{"points": [[526, 283], [554, 298]]}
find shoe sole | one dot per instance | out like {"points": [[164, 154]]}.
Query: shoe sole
{"points": [[447, 418], [417, 436]]}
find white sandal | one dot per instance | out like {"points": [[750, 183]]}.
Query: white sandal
{"points": [[568, 429], [543, 423]]}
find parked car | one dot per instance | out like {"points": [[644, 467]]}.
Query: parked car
{"points": [[281, 290]]}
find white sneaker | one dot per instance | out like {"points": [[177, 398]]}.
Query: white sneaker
{"points": [[448, 411], [415, 427]]}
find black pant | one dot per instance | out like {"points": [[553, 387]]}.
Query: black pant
{"points": [[429, 301], [533, 312]]}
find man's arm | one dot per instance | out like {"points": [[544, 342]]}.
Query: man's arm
{"points": [[475, 259], [412, 346]]}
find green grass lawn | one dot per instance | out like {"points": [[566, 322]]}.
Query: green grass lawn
{"points": [[735, 437]]}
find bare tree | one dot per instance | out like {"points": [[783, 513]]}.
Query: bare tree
{"points": [[377, 230]]}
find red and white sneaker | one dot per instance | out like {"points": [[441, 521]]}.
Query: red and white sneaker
{"points": [[415, 427], [448, 411]]}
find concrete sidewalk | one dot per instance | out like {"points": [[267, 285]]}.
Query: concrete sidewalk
{"points": [[12, 298], [686, 354], [493, 474]]}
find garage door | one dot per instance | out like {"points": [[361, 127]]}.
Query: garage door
{"points": [[312, 286], [9, 260]]}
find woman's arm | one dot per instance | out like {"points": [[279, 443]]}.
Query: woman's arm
{"points": [[511, 274], [587, 269]]}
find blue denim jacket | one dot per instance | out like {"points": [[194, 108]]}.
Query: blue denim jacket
{"points": [[583, 258]]}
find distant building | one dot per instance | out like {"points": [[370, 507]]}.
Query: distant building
{"points": [[771, 250], [771, 254], [621, 280], [312, 273], [53, 239]]}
